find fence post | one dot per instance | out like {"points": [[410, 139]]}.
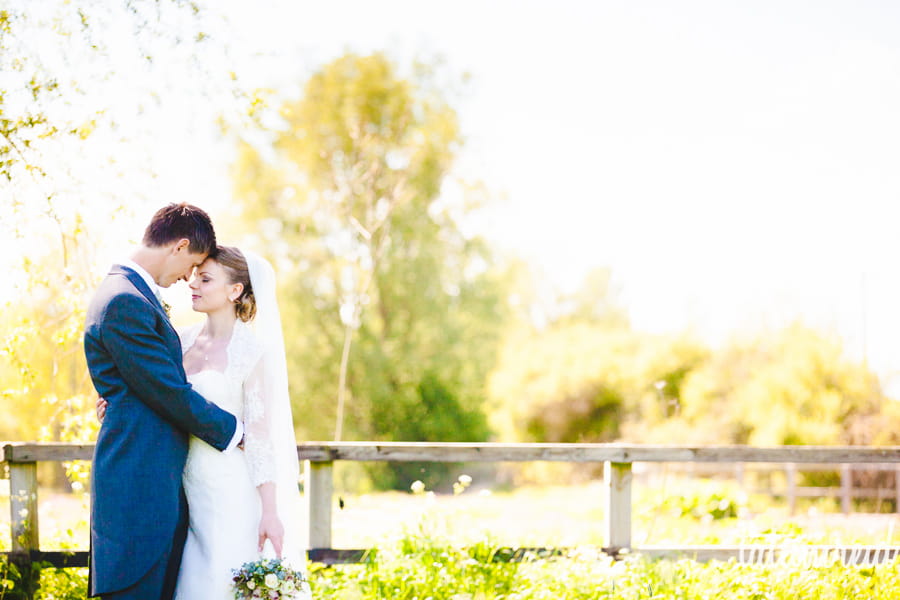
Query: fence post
{"points": [[23, 506], [23, 509], [617, 477], [790, 471], [846, 485], [740, 475], [897, 488], [319, 488]]}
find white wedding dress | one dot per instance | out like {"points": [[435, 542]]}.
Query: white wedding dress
{"points": [[223, 502]]}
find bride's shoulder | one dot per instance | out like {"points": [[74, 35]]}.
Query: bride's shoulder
{"points": [[244, 351], [188, 335], [246, 340]]}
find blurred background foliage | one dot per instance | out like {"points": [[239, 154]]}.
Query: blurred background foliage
{"points": [[399, 324], [392, 315], [81, 85]]}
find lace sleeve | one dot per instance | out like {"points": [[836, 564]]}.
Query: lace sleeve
{"points": [[259, 446]]}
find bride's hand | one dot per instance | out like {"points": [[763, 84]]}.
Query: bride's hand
{"points": [[101, 408], [270, 528]]}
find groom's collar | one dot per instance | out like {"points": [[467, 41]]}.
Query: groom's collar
{"points": [[148, 279]]}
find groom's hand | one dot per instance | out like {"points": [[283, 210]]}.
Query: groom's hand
{"points": [[270, 528]]}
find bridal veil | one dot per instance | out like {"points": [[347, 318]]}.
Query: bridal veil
{"points": [[269, 334]]}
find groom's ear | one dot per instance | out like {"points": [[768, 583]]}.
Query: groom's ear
{"points": [[182, 244]]}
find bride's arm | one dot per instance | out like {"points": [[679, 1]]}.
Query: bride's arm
{"points": [[260, 453], [270, 526]]}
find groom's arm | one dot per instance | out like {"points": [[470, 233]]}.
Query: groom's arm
{"points": [[149, 370]]}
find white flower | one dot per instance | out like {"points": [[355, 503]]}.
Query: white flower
{"points": [[272, 581], [460, 485], [251, 585], [417, 487]]}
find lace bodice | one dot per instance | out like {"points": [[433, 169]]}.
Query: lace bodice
{"points": [[243, 394]]}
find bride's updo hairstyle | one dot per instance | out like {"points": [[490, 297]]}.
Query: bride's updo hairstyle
{"points": [[234, 263]]}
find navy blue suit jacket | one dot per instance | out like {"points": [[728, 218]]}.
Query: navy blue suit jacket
{"points": [[134, 357]]}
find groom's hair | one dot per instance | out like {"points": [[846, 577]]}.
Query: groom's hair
{"points": [[177, 221]]}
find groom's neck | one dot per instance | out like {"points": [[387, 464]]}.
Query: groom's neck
{"points": [[150, 259]]}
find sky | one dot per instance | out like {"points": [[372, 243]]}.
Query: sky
{"points": [[735, 164]]}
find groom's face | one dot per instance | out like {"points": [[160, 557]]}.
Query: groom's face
{"points": [[180, 264]]}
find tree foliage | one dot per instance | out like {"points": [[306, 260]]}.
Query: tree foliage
{"points": [[581, 378], [78, 81], [795, 386], [581, 382], [71, 69], [377, 273], [588, 382]]}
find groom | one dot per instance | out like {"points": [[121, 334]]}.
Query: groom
{"points": [[138, 509]]}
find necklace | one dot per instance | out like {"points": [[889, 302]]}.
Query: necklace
{"points": [[205, 351], [209, 345]]}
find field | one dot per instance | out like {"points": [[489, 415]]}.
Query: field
{"points": [[449, 546]]}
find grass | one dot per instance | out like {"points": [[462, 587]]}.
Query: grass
{"points": [[439, 571], [421, 568], [684, 513]]}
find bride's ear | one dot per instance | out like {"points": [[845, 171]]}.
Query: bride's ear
{"points": [[236, 290]]}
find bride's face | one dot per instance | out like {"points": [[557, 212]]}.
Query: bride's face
{"points": [[211, 289]]}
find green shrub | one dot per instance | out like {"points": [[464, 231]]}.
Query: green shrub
{"points": [[63, 584], [41, 582], [703, 502], [425, 568]]}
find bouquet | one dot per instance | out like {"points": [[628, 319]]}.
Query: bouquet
{"points": [[268, 578]]}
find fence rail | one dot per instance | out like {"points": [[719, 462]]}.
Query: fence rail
{"points": [[319, 458], [885, 488]]}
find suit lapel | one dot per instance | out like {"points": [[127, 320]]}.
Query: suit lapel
{"points": [[138, 282]]}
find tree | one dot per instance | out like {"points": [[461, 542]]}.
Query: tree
{"points": [[391, 308], [84, 91], [596, 301], [572, 369], [791, 387], [68, 75], [73, 90]]}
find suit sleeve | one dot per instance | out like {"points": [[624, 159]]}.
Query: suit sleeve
{"points": [[147, 366]]}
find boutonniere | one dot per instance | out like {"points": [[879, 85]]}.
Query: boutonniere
{"points": [[168, 308]]}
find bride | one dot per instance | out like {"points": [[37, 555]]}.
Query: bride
{"points": [[245, 503], [241, 505]]}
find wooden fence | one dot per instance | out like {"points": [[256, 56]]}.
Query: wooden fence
{"points": [[319, 458], [783, 481]]}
